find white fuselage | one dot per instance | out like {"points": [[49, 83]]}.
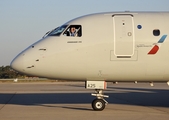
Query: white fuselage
{"points": [[112, 47]]}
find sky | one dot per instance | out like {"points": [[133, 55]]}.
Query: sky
{"points": [[23, 22]]}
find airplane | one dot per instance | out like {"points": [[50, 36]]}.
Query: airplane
{"points": [[111, 46]]}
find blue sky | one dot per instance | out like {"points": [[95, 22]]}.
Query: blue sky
{"points": [[23, 22]]}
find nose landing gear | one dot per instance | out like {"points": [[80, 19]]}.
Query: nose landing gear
{"points": [[99, 103]]}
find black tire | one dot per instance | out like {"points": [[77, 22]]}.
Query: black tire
{"points": [[98, 104]]}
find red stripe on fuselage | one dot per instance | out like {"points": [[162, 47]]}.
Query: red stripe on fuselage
{"points": [[154, 50]]}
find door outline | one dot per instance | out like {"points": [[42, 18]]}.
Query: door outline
{"points": [[129, 33]]}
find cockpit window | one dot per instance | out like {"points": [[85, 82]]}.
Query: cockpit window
{"points": [[73, 31], [57, 31]]}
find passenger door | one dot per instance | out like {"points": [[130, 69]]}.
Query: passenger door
{"points": [[123, 29]]}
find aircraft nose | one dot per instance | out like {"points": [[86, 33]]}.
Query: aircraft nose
{"points": [[17, 63]]}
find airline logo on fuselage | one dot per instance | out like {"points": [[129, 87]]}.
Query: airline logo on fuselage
{"points": [[156, 47]]}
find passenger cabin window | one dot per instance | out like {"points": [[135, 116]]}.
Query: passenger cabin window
{"points": [[57, 31], [156, 32], [73, 31]]}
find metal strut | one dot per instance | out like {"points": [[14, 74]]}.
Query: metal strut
{"points": [[99, 94]]}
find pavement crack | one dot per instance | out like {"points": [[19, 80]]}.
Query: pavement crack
{"points": [[8, 101]]}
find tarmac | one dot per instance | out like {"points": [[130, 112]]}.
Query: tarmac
{"points": [[71, 101]]}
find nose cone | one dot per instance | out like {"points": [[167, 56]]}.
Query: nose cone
{"points": [[17, 63]]}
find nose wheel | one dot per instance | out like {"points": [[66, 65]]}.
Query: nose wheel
{"points": [[99, 103]]}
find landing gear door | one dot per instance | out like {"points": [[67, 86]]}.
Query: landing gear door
{"points": [[123, 30]]}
